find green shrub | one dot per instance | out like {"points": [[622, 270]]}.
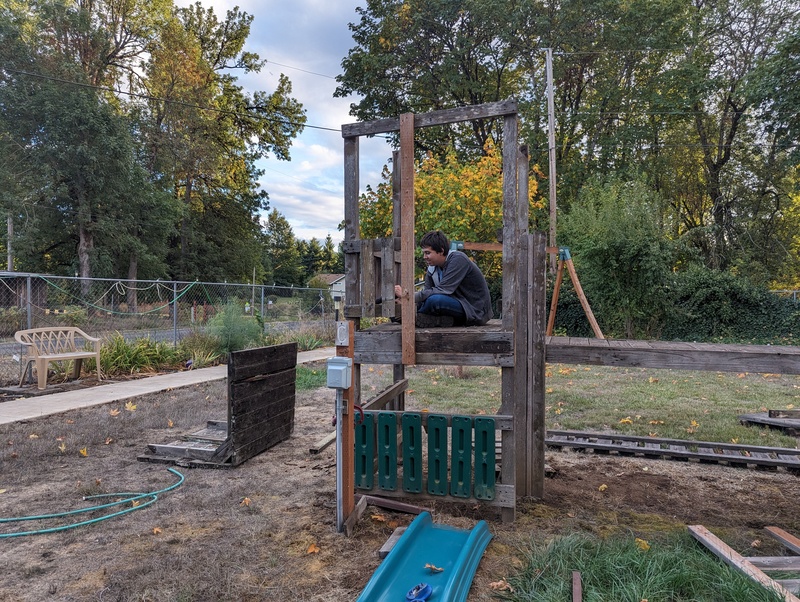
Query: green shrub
{"points": [[233, 329], [119, 356], [713, 305]]}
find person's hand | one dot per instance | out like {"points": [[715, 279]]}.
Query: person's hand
{"points": [[398, 292]]}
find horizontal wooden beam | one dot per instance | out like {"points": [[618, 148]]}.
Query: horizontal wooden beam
{"points": [[433, 118], [774, 359]]}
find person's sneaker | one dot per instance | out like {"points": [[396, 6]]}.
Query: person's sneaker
{"points": [[429, 321]]}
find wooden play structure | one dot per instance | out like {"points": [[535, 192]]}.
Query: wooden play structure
{"points": [[515, 344], [518, 344]]}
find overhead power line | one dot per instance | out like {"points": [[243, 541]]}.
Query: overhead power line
{"points": [[170, 101]]}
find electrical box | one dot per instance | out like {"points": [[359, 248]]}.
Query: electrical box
{"points": [[340, 372]]}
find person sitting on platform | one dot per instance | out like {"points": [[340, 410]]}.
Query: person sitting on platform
{"points": [[455, 292]]}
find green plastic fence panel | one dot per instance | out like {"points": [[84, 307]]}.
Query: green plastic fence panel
{"points": [[461, 460], [437, 455], [387, 451], [484, 458], [365, 452], [411, 425]]}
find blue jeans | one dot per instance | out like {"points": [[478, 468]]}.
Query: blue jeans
{"points": [[443, 305]]}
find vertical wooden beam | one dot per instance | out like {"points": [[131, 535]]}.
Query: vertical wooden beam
{"points": [[348, 428], [398, 370], [407, 235], [510, 441], [536, 351], [522, 370], [352, 228]]}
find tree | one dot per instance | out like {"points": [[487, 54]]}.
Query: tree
{"points": [[622, 258], [280, 248], [464, 200], [422, 55], [206, 134]]}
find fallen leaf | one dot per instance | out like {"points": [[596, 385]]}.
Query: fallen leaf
{"points": [[33, 436], [70, 421], [135, 503], [98, 481], [156, 530], [379, 518], [756, 543], [130, 406], [245, 501], [109, 441], [3, 490], [170, 424], [501, 586], [734, 440], [626, 420], [114, 412], [393, 524], [313, 549], [642, 544], [62, 448], [602, 487], [432, 568], [84, 452], [652, 380]]}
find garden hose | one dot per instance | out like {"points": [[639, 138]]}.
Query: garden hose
{"points": [[131, 498]]}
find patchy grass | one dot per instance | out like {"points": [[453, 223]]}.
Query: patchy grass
{"points": [[674, 569], [699, 406]]}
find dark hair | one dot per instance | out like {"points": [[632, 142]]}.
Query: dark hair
{"points": [[437, 241]]}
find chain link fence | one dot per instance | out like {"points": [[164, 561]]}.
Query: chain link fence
{"points": [[160, 310]]}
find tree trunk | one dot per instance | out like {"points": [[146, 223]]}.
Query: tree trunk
{"points": [[85, 246], [133, 271]]}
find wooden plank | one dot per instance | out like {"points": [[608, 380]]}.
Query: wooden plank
{"points": [[387, 277], [536, 332], [323, 443], [432, 118], [250, 363], [352, 294], [795, 413], [776, 563], [261, 444], [793, 585], [409, 310], [582, 298], [678, 355], [381, 502], [266, 415], [577, 587], [732, 558], [391, 542], [368, 278], [787, 539], [354, 517], [379, 401], [349, 397]]}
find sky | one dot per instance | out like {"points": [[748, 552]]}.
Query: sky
{"points": [[306, 40]]}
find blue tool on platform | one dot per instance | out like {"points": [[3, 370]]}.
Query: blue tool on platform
{"points": [[431, 563]]}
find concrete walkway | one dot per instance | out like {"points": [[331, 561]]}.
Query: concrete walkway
{"points": [[26, 408]]}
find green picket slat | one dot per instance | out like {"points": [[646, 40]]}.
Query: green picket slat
{"points": [[437, 455], [365, 452], [412, 452], [387, 451], [461, 460], [484, 488]]}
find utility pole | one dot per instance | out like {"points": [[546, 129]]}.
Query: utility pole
{"points": [[551, 152]]}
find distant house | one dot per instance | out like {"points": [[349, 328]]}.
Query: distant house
{"points": [[335, 284]]}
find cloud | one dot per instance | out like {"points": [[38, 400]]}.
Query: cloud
{"points": [[307, 40]]}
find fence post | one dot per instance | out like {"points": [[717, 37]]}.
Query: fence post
{"points": [[175, 314], [29, 302], [262, 301]]}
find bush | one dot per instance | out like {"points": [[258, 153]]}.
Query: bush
{"points": [[709, 304], [233, 329], [119, 356]]}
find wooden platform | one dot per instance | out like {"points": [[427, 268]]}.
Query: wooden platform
{"points": [[676, 355], [791, 426], [487, 345]]}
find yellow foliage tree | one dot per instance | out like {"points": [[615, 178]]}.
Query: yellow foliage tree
{"points": [[463, 200]]}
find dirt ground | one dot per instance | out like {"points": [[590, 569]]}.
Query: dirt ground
{"points": [[266, 530]]}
